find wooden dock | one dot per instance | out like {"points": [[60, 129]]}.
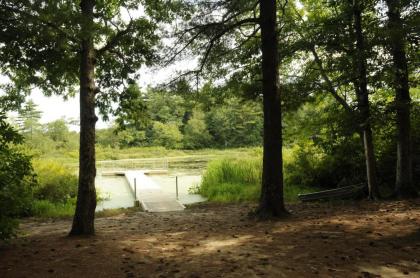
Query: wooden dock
{"points": [[148, 192]]}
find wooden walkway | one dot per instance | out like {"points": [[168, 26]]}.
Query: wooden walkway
{"points": [[148, 192]]}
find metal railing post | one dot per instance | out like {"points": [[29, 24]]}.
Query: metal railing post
{"points": [[176, 184], [136, 201], [135, 189]]}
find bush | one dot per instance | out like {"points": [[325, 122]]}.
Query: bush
{"points": [[56, 183], [16, 180], [310, 165], [56, 190]]}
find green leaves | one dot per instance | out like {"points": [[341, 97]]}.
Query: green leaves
{"points": [[16, 179], [40, 43], [132, 112]]}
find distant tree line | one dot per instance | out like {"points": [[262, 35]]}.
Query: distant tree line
{"points": [[177, 120], [43, 138]]}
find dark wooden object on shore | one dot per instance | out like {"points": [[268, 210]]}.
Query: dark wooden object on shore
{"points": [[338, 193]]}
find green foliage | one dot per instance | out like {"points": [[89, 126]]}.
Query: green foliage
{"points": [[39, 143], [54, 195], [236, 124], [239, 180], [47, 209], [247, 171], [167, 135], [324, 149], [231, 192], [56, 183], [231, 180], [204, 119], [58, 131], [165, 106], [310, 166], [28, 119], [43, 49], [16, 180], [132, 111], [131, 137], [196, 134], [108, 153], [385, 144], [107, 137]]}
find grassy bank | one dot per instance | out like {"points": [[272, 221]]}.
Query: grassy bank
{"points": [[237, 180], [47, 209], [107, 153], [44, 209]]}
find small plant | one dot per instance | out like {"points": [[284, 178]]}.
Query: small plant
{"points": [[194, 189]]}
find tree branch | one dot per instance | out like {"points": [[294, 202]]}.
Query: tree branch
{"points": [[327, 80], [112, 42], [330, 86]]}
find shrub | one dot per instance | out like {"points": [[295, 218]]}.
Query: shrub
{"points": [[56, 183], [309, 165], [16, 180]]}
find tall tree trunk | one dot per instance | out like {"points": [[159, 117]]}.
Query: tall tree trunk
{"points": [[363, 101], [83, 221], [271, 201], [404, 186]]}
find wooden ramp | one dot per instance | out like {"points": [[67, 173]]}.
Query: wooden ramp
{"points": [[148, 192]]}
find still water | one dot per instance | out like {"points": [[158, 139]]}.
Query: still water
{"points": [[185, 182], [115, 192]]}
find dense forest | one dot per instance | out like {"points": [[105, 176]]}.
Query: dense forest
{"points": [[315, 94]]}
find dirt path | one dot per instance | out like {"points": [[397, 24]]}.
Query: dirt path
{"points": [[351, 240]]}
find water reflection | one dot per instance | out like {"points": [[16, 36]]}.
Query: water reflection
{"points": [[185, 182], [115, 190]]}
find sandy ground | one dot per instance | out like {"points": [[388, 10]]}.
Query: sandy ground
{"points": [[319, 240]]}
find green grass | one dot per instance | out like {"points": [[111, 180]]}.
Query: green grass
{"points": [[239, 180], [44, 209], [47, 209], [106, 153]]}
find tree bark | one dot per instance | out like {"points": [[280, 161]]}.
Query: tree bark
{"points": [[83, 221], [363, 102], [271, 200], [404, 186]]}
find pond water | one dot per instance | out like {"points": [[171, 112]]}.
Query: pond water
{"points": [[117, 193], [115, 190], [185, 182]]}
